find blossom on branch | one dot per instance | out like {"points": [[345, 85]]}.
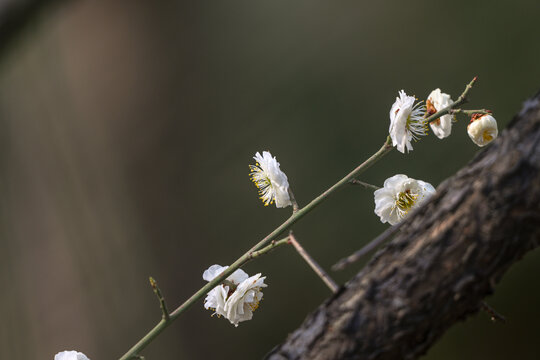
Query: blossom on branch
{"points": [[237, 297], [245, 299], [70, 355], [399, 195], [437, 100], [270, 180], [483, 129], [407, 122]]}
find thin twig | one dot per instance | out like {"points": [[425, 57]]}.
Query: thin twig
{"points": [[364, 184], [162, 305], [341, 264], [293, 201], [313, 264], [495, 316], [273, 244], [469, 112], [462, 99]]}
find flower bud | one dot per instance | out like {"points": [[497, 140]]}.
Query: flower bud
{"points": [[483, 129], [70, 355], [437, 100]]}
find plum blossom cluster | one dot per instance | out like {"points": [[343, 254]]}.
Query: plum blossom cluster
{"points": [[70, 355], [408, 121], [237, 297]]}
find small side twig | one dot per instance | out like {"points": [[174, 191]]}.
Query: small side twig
{"points": [[341, 264], [364, 184], [462, 99], [293, 201], [495, 316], [313, 264], [469, 112], [273, 244], [162, 305]]}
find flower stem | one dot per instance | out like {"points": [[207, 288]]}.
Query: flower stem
{"points": [[293, 201], [163, 324], [364, 184], [313, 264]]}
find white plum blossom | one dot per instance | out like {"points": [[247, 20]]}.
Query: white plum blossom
{"points": [[70, 355], [237, 298], [399, 195], [407, 122], [245, 299], [483, 129], [270, 180], [437, 100], [217, 297]]}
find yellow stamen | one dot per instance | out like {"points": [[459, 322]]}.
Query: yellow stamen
{"points": [[405, 201]]}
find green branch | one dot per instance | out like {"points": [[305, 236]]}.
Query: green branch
{"points": [[273, 244], [162, 325], [298, 213]]}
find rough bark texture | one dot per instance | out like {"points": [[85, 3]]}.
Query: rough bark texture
{"points": [[443, 262]]}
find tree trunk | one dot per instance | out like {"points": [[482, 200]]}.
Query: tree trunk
{"points": [[444, 261]]}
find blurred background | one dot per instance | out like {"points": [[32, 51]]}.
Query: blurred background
{"points": [[126, 132]]}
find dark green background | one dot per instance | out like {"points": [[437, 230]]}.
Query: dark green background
{"points": [[126, 132]]}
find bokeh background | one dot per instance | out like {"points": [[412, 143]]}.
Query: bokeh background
{"points": [[126, 132]]}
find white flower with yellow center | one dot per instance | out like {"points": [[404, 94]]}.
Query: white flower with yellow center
{"points": [[270, 180], [70, 355], [483, 129], [407, 122], [237, 297], [437, 100], [399, 195]]}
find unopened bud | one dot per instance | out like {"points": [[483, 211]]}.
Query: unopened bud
{"points": [[483, 129]]}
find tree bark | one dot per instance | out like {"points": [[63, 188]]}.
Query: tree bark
{"points": [[447, 257]]}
